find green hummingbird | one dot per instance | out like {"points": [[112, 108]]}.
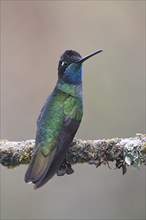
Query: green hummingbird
{"points": [[58, 121]]}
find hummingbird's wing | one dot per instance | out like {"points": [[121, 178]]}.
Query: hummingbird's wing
{"points": [[47, 160]]}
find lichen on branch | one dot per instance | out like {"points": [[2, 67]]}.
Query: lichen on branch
{"points": [[123, 151]]}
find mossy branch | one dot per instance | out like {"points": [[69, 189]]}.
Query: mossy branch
{"points": [[124, 151]]}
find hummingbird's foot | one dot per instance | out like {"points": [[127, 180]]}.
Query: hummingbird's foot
{"points": [[69, 169], [65, 169]]}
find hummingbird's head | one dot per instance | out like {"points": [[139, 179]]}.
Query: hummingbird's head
{"points": [[70, 66], [68, 69]]}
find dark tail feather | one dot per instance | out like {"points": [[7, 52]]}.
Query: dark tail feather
{"points": [[38, 167], [55, 165]]}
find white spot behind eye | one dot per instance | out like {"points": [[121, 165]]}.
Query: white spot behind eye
{"points": [[64, 63]]}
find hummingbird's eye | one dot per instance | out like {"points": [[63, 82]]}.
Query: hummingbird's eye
{"points": [[64, 63]]}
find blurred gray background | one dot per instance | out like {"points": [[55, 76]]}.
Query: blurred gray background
{"points": [[33, 36]]}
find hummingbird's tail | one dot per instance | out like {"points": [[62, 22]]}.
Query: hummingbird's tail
{"points": [[38, 167]]}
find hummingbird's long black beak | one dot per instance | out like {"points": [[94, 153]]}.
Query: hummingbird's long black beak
{"points": [[88, 56]]}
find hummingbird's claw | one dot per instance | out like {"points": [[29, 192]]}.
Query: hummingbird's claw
{"points": [[65, 169]]}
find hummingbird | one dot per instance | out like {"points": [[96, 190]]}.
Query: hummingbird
{"points": [[58, 121]]}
